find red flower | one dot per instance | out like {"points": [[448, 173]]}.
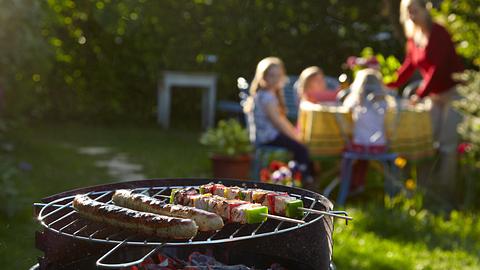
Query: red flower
{"points": [[464, 147], [264, 175], [275, 165]]}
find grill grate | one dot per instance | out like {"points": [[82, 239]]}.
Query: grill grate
{"points": [[60, 217]]}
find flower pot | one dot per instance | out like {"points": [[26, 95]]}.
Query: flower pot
{"points": [[235, 167]]}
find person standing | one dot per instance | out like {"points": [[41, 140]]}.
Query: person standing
{"points": [[430, 49]]}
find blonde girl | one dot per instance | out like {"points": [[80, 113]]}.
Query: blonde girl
{"points": [[266, 113], [368, 104]]}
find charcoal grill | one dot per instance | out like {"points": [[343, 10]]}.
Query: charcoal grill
{"points": [[310, 244]]}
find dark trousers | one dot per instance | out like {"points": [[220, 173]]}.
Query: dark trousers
{"points": [[300, 152]]}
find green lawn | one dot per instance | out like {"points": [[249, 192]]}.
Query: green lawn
{"points": [[398, 237], [57, 166]]}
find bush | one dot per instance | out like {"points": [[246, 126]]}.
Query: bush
{"points": [[228, 138], [25, 60], [463, 22], [103, 58], [469, 129], [470, 108], [387, 65]]}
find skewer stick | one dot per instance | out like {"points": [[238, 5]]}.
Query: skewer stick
{"points": [[324, 213], [283, 218]]}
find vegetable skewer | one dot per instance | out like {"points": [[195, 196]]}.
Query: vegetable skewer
{"points": [[279, 203], [230, 210]]}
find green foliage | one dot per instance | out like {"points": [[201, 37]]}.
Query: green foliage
{"points": [[228, 138], [470, 108], [102, 59], [462, 18], [388, 64], [24, 57], [469, 129]]}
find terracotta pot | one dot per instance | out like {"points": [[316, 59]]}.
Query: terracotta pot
{"points": [[234, 167]]}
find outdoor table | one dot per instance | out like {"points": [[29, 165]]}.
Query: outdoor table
{"points": [[327, 129], [206, 81], [409, 131]]}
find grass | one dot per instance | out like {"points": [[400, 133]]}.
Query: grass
{"points": [[400, 236], [52, 151]]}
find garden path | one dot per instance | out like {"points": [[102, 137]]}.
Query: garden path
{"points": [[117, 164]]}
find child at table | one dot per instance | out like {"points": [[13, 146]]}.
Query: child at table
{"points": [[368, 105], [266, 114], [312, 87]]}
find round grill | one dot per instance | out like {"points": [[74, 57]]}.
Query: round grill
{"points": [[60, 217]]}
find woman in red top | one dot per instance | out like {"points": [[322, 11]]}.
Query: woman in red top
{"points": [[430, 50]]}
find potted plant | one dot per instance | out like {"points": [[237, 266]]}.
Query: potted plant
{"points": [[230, 150]]}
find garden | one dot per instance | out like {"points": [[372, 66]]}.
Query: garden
{"points": [[78, 108]]}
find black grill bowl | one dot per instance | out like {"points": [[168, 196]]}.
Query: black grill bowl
{"points": [[305, 247]]}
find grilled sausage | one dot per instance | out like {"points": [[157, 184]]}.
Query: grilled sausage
{"points": [[205, 220], [147, 223]]}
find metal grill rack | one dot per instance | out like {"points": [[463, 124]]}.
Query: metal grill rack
{"points": [[60, 217]]}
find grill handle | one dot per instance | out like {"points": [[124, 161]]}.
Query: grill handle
{"points": [[335, 214], [339, 215], [101, 264]]}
